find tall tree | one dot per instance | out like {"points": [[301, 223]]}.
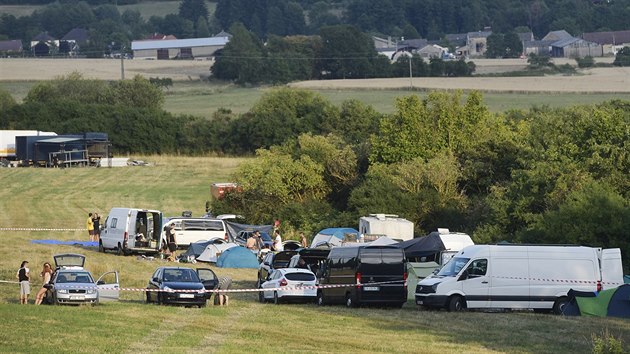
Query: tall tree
{"points": [[242, 58], [346, 52], [193, 9]]}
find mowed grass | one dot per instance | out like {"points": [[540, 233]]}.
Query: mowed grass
{"points": [[204, 99], [37, 197]]}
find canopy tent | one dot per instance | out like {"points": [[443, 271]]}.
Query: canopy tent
{"points": [[236, 231], [237, 257], [425, 246], [196, 248], [610, 302], [334, 236], [213, 251]]}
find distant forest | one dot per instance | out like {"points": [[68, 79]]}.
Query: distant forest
{"points": [[430, 19]]}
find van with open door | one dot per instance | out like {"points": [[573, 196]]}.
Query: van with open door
{"points": [[130, 230], [511, 276], [191, 230]]}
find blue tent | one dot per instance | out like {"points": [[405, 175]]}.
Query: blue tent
{"points": [[237, 257]]}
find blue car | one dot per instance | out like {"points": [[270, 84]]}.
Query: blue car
{"points": [[181, 286]]}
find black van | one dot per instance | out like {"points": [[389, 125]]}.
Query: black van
{"points": [[364, 265]]}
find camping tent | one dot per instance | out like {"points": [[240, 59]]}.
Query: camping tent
{"points": [[213, 251], [197, 248], [236, 231], [237, 257], [426, 246], [611, 302], [333, 236]]}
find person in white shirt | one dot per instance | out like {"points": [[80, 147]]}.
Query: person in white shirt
{"points": [[277, 241]]}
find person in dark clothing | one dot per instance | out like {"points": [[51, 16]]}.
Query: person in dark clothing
{"points": [[24, 278], [172, 242], [96, 220]]}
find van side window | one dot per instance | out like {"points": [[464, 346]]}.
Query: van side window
{"points": [[478, 267], [114, 223]]}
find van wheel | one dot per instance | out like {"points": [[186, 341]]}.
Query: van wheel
{"points": [[350, 302], [456, 303], [119, 250], [320, 299], [100, 247], [276, 300], [559, 305]]}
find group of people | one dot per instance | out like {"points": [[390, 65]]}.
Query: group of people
{"points": [[23, 276], [94, 226]]}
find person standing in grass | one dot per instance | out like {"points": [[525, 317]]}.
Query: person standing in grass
{"points": [[96, 221], [46, 274], [303, 241], [277, 241], [90, 227], [24, 278]]}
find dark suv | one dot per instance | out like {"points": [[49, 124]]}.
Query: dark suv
{"points": [[385, 266]]}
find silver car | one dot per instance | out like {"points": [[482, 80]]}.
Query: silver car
{"points": [[71, 284]]}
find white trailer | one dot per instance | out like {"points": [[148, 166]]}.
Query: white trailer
{"points": [[388, 225], [7, 141]]}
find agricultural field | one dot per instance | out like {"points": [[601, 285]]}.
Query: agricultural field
{"points": [[146, 9], [190, 94], [61, 198]]}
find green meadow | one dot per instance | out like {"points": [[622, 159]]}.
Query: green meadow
{"points": [[61, 198]]}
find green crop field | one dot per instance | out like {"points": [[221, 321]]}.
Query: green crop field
{"points": [[61, 198]]}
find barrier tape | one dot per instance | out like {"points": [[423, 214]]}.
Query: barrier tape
{"points": [[238, 290], [36, 229], [563, 281], [9, 282]]}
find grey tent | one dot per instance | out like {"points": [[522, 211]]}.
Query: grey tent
{"points": [[237, 232]]}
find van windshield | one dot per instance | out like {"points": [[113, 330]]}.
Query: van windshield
{"points": [[453, 267]]}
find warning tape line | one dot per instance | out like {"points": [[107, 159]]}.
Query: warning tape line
{"points": [[10, 282], [564, 281], [36, 229]]}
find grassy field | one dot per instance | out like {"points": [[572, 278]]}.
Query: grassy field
{"points": [[61, 198], [146, 9], [203, 99]]}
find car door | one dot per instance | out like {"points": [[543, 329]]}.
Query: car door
{"points": [[270, 284], [208, 278], [476, 284], [154, 285], [108, 287]]}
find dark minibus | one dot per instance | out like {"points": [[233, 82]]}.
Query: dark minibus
{"points": [[374, 275]]}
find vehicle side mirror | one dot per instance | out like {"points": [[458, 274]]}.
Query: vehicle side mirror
{"points": [[464, 276], [156, 280], [267, 264]]}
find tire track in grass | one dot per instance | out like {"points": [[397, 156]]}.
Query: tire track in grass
{"points": [[162, 332], [213, 341]]}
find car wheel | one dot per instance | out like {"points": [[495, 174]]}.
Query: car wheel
{"points": [[320, 299], [261, 296], [350, 302], [100, 247], [159, 299], [119, 250], [456, 303], [559, 305], [276, 300], [148, 298]]}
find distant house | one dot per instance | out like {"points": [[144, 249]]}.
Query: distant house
{"points": [[178, 48], [611, 42], [73, 40], [537, 47], [432, 51], [43, 44], [10, 48], [477, 42], [557, 35]]}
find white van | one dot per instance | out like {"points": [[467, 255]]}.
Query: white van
{"points": [[519, 277], [190, 230], [129, 230]]}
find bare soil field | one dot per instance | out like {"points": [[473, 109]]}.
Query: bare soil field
{"points": [[596, 80]]}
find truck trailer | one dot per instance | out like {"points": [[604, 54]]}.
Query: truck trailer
{"points": [[8, 143]]}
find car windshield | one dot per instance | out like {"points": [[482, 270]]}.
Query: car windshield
{"points": [[184, 275], [74, 277], [453, 267]]}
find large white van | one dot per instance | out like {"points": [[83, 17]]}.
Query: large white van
{"points": [[129, 230], [519, 277], [190, 230]]}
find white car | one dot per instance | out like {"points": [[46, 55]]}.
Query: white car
{"points": [[289, 284]]}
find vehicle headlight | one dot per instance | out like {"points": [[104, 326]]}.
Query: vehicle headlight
{"points": [[434, 287], [166, 288], [62, 291], [91, 291]]}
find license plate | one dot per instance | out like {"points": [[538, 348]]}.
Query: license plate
{"points": [[187, 296], [77, 297], [371, 288]]}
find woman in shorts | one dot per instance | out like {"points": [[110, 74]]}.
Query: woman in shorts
{"points": [[24, 278], [46, 274]]}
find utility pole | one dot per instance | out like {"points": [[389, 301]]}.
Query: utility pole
{"points": [[410, 73], [122, 63]]}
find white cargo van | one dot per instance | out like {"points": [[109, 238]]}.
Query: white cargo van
{"points": [[519, 277], [129, 230], [190, 230]]}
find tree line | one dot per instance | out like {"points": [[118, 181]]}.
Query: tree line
{"points": [[541, 175]]}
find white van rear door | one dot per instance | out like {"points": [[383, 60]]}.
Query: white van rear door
{"points": [[611, 268]]}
